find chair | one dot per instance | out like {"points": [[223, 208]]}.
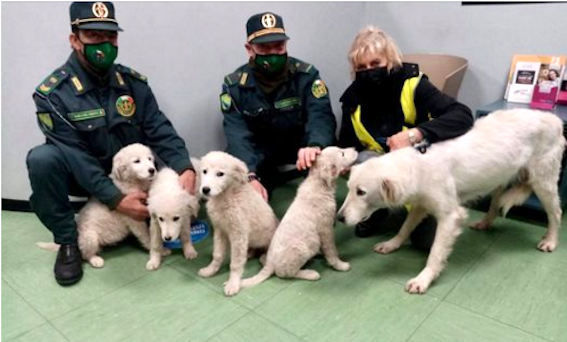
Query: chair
{"points": [[445, 72]]}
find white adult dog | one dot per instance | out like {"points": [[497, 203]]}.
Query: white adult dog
{"points": [[307, 226], [172, 209], [239, 215], [521, 148], [133, 170]]}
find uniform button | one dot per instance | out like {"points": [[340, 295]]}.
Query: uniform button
{"points": [[90, 126]]}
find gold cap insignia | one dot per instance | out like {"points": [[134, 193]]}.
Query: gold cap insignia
{"points": [[319, 89], [125, 105], [100, 10], [268, 20]]}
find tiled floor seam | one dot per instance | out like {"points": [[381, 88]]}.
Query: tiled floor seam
{"points": [[500, 322], [28, 303], [439, 301], [98, 298]]}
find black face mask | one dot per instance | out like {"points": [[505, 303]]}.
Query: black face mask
{"points": [[368, 82]]}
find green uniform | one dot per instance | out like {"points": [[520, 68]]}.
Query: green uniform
{"points": [[269, 130], [86, 123]]}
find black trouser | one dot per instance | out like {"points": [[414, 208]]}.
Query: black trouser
{"points": [[52, 182]]}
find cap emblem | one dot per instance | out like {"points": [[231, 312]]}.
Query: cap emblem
{"points": [[268, 20], [100, 10]]}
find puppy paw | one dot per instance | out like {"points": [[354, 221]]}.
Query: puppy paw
{"points": [[481, 225], [547, 244], [165, 252], [231, 288], [96, 261], [206, 272], [386, 247], [417, 285], [341, 266], [153, 264], [189, 252]]}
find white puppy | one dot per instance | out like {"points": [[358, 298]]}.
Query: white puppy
{"points": [[307, 226], [522, 148], [172, 209], [240, 216], [132, 170]]}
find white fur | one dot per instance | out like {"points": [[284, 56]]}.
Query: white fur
{"points": [[307, 226], [172, 209], [520, 147], [240, 216], [132, 170]]}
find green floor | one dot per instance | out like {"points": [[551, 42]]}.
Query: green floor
{"points": [[496, 287]]}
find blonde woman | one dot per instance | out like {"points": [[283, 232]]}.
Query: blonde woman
{"points": [[391, 105]]}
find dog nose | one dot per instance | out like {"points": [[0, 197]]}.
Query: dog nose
{"points": [[206, 190], [152, 171], [341, 218], [167, 238]]}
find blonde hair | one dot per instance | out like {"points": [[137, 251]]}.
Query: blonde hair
{"points": [[372, 39]]}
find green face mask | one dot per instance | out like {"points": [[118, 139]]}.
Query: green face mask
{"points": [[271, 64], [101, 56]]}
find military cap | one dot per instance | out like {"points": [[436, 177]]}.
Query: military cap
{"points": [[93, 16], [265, 27]]}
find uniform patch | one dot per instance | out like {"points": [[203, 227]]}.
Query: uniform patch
{"points": [[292, 101], [46, 121], [319, 89], [226, 102], [125, 105], [86, 115]]}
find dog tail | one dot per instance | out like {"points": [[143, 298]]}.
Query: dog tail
{"points": [[49, 246], [265, 273], [516, 195]]}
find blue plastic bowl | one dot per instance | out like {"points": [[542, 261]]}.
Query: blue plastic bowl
{"points": [[199, 231]]}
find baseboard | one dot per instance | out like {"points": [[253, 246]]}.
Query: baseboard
{"points": [[24, 206]]}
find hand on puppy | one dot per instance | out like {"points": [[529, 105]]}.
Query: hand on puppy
{"points": [[402, 139], [187, 181], [306, 156], [133, 205]]}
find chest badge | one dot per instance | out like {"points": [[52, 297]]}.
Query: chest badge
{"points": [[125, 105]]}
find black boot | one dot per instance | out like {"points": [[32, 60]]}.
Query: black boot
{"points": [[424, 234], [69, 265], [372, 225]]}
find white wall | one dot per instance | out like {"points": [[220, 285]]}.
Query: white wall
{"points": [[185, 49], [487, 36]]}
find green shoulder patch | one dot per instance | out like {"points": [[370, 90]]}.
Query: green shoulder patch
{"points": [[226, 102], [45, 120], [319, 89], [52, 81], [233, 78], [133, 73]]}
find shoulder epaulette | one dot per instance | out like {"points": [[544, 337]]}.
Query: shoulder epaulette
{"points": [[302, 66], [133, 73], [52, 81], [233, 78]]}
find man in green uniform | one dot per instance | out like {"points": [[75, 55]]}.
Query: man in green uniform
{"points": [[276, 108], [89, 109]]}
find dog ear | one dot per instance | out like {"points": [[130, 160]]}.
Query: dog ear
{"points": [[325, 169], [241, 171], [119, 166], [389, 192]]}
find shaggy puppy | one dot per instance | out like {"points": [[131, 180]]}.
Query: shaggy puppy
{"points": [[172, 209], [132, 170], [518, 147], [239, 215], [307, 226]]}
